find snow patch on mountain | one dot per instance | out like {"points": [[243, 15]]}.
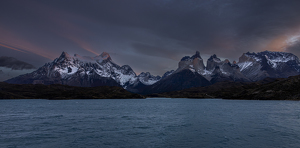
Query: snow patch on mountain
{"points": [[193, 70], [253, 56], [149, 82], [257, 66], [148, 79], [122, 78], [244, 65], [168, 73]]}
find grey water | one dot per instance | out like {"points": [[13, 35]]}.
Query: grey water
{"points": [[160, 122]]}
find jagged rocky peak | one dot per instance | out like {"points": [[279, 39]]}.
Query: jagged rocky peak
{"points": [[197, 55], [147, 74], [147, 79], [144, 74], [229, 68], [194, 63], [248, 57], [212, 62], [188, 58], [64, 56], [226, 61], [223, 70], [214, 58]]}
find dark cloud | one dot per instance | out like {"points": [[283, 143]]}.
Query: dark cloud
{"points": [[1, 72], [14, 64], [156, 51], [160, 29], [295, 49]]}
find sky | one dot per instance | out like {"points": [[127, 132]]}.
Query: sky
{"points": [[149, 35]]}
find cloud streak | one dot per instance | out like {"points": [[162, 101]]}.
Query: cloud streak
{"points": [[11, 48], [11, 40], [14, 64]]}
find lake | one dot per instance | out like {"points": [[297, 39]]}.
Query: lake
{"points": [[153, 122]]}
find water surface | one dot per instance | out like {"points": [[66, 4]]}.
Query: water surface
{"points": [[149, 123]]}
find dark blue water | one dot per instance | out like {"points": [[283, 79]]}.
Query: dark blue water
{"points": [[149, 123]]}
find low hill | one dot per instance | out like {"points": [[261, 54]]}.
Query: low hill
{"points": [[267, 89], [57, 91]]}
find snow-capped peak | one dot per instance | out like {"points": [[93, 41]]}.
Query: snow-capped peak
{"points": [[268, 64], [272, 56], [70, 67], [147, 79], [84, 59], [279, 56], [254, 56]]}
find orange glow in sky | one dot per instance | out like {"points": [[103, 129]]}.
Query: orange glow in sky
{"points": [[85, 46], [11, 48], [11, 40]]}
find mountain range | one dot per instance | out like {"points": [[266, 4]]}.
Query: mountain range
{"points": [[100, 70]]}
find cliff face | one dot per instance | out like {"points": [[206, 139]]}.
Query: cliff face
{"points": [[178, 81], [195, 63]]}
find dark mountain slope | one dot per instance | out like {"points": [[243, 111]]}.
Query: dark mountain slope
{"points": [[177, 81]]}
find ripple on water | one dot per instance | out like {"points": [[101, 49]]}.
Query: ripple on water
{"points": [[149, 123]]}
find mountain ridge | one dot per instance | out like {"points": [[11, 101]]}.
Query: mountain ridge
{"points": [[100, 70], [84, 71]]}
